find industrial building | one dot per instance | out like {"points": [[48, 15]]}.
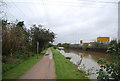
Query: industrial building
{"points": [[104, 40]]}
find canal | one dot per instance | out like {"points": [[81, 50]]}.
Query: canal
{"points": [[89, 60]]}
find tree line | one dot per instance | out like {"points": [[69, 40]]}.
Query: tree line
{"points": [[15, 36]]}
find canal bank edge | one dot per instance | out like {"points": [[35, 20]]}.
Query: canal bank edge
{"points": [[66, 69]]}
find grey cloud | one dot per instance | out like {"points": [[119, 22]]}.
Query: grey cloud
{"points": [[72, 24]]}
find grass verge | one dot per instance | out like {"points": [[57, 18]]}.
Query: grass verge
{"points": [[66, 69], [20, 69]]}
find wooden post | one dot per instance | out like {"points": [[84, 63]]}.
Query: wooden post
{"points": [[37, 49]]}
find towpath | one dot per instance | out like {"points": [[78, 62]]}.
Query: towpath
{"points": [[44, 69]]}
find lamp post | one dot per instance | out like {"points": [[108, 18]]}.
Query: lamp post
{"points": [[119, 23]]}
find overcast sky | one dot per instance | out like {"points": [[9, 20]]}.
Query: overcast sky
{"points": [[71, 20]]}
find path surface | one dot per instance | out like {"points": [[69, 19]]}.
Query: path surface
{"points": [[44, 69]]}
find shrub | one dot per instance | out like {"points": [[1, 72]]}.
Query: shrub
{"points": [[110, 68]]}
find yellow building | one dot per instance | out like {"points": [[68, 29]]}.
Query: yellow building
{"points": [[103, 39]]}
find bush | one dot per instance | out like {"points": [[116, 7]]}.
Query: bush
{"points": [[110, 68], [22, 54], [17, 58], [8, 66], [7, 59]]}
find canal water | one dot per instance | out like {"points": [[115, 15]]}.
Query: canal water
{"points": [[89, 60]]}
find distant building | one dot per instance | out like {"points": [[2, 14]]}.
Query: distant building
{"points": [[92, 43], [75, 45], [81, 42], [86, 44], [104, 40]]}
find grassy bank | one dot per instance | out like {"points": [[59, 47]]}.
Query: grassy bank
{"points": [[21, 68], [66, 69]]}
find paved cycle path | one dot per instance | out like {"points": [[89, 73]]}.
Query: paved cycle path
{"points": [[44, 69]]}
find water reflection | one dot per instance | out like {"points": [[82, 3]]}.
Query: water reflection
{"points": [[89, 60]]}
